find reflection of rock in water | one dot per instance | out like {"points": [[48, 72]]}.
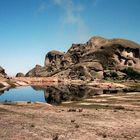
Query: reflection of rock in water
{"points": [[60, 93], [52, 95], [2, 90], [55, 95]]}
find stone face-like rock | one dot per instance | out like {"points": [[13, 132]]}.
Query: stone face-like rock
{"points": [[91, 60], [20, 74], [54, 57]]}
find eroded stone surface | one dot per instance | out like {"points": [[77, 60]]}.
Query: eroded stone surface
{"points": [[89, 61]]}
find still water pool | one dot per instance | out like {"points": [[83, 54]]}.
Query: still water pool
{"points": [[53, 94], [22, 94]]}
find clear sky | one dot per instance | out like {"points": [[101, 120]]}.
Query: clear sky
{"points": [[31, 28]]}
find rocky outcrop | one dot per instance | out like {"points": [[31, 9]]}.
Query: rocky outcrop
{"points": [[34, 71], [3, 79], [20, 74], [39, 71], [2, 72], [86, 70], [97, 59]]}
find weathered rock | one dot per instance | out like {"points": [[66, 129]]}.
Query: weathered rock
{"points": [[4, 84], [86, 71], [20, 74], [90, 61], [34, 72], [54, 57], [2, 72]]}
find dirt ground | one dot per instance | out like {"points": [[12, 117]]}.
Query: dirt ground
{"points": [[103, 117]]}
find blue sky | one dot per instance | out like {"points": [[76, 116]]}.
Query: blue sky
{"points": [[31, 28]]}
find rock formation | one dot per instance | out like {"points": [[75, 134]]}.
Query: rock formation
{"points": [[97, 59], [2, 72], [20, 74], [3, 79]]}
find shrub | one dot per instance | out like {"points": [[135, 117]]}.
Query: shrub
{"points": [[114, 75], [131, 73]]}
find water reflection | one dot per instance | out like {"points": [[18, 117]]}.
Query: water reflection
{"points": [[57, 94], [2, 90]]}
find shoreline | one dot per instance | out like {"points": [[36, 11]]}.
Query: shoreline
{"points": [[15, 82]]}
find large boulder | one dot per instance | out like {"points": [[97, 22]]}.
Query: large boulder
{"points": [[2, 72], [114, 53], [87, 71], [34, 71], [20, 74], [46, 71], [54, 57], [3, 78]]}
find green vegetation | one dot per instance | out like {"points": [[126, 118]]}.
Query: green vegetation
{"points": [[131, 74], [111, 76], [114, 75]]}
